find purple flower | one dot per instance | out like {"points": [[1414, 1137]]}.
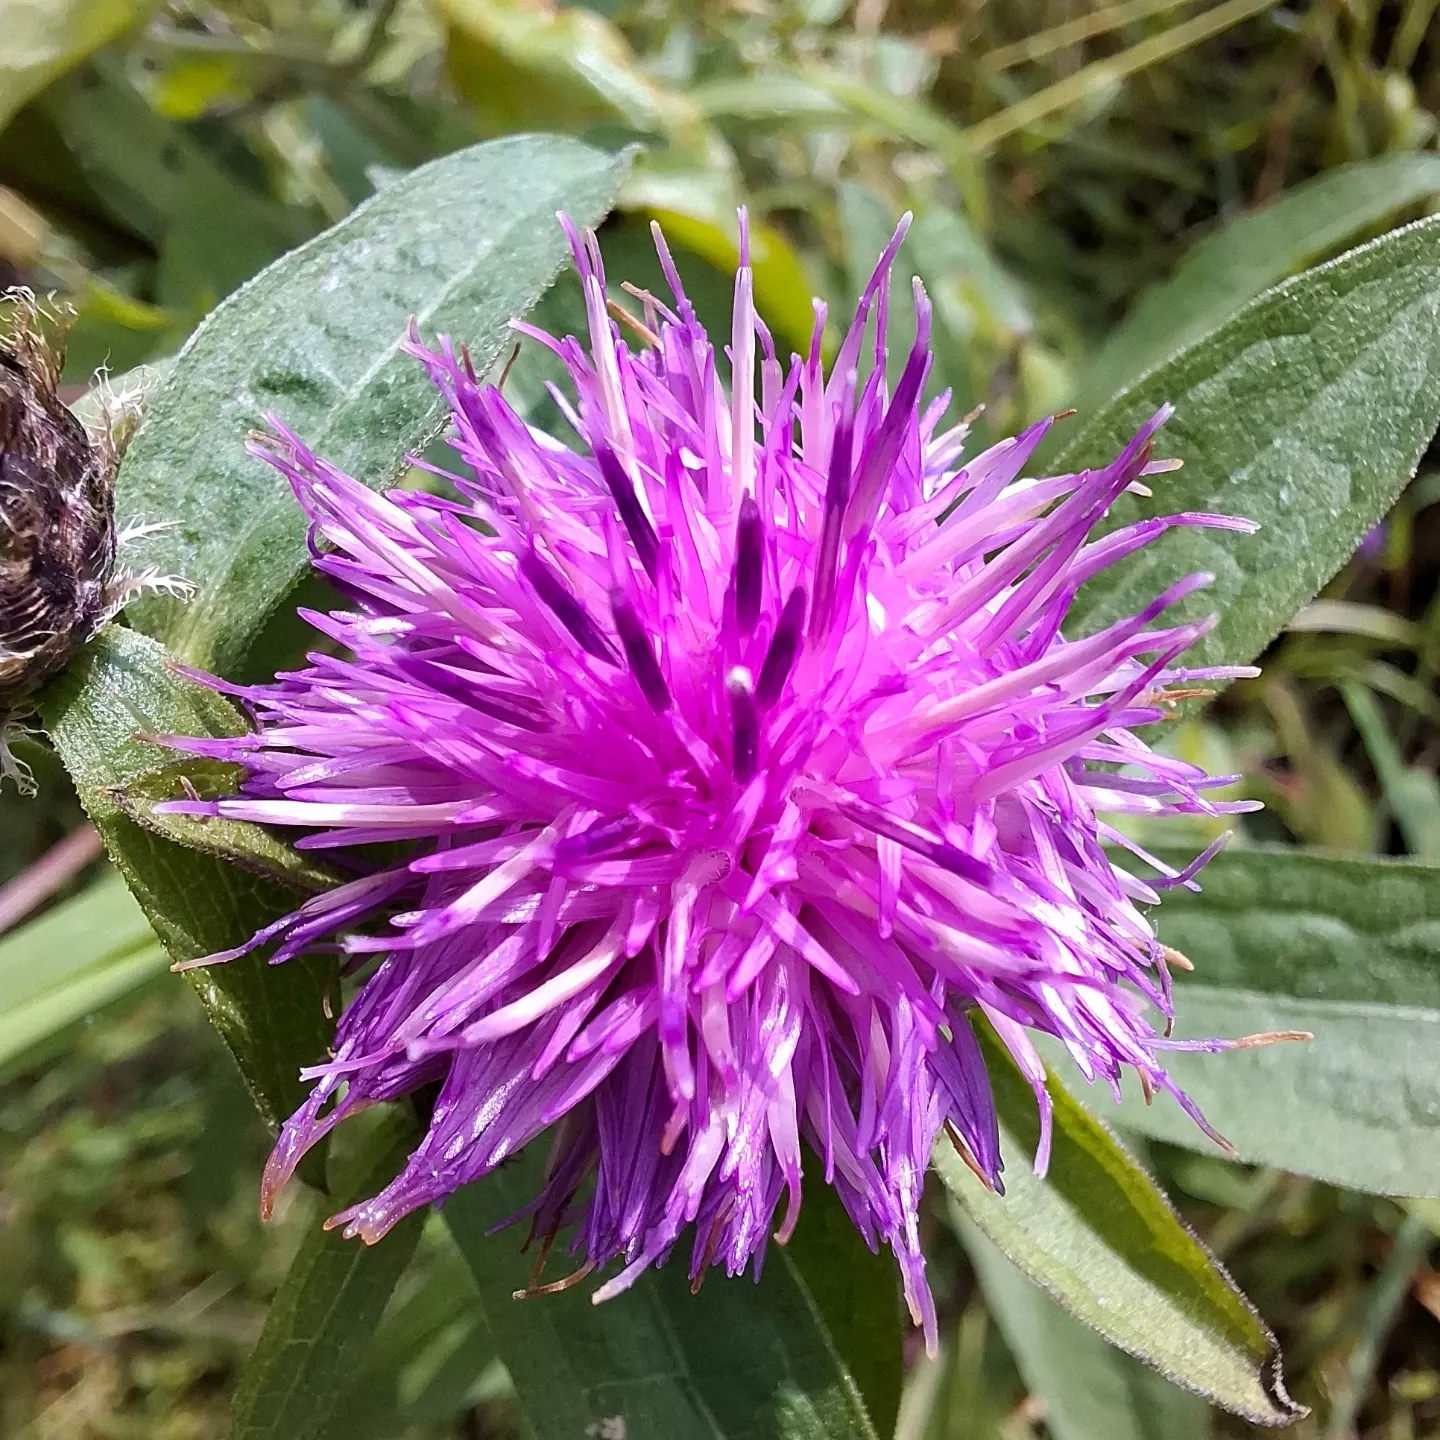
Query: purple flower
{"points": [[738, 760]]}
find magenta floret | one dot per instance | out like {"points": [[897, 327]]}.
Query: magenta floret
{"points": [[735, 784]]}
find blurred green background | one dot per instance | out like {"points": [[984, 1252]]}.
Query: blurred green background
{"points": [[1093, 183]]}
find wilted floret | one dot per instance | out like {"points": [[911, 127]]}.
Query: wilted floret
{"points": [[741, 763]]}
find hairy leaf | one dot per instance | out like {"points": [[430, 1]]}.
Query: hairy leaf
{"points": [[463, 244], [1091, 1390], [241, 842], [1349, 949], [1250, 254], [271, 1018], [1307, 412], [431, 1357], [1101, 1238], [736, 1360], [858, 1296]]}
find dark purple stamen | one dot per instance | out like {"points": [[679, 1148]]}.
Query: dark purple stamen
{"points": [[640, 653], [746, 725], [837, 492], [780, 657], [884, 449], [749, 565], [601, 837], [922, 842], [637, 524], [467, 685], [566, 608]]}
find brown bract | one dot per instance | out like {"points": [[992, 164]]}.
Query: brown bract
{"points": [[57, 518]]}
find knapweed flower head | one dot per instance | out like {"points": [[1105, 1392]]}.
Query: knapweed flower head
{"points": [[740, 761]]}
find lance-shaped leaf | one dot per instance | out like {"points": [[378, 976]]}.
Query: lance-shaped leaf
{"points": [[1103, 1240], [69, 964], [857, 1293], [1091, 1390], [464, 245], [431, 1357], [1307, 412], [1231, 267], [1348, 949], [241, 842], [735, 1360], [327, 1307], [271, 1018]]}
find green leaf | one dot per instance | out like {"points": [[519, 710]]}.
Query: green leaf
{"points": [[771, 96], [1349, 949], [431, 1356], [857, 1293], [272, 1019], [252, 847], [75, 960], [909, 119], [45, 40], [981, 312], [1103, 1240], [1307, 412], [1249, 255], [736, 1360], [464, 244], [1369, 622], [951, 256], [327, 1307], [1091, 1390], [568, 67]]}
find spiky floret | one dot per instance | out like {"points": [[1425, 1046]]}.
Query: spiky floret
{"points": [[741, 761]]}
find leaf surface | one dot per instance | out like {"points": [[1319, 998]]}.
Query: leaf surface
{"points": [[271, 1017], [1102, 1239], [1307, 412], [463, 244], [1091, 1390], [1231, 267], [329, 1303], [738, 1361], [86, 953], [1349, 949]]}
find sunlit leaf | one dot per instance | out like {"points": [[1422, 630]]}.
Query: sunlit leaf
{"points": [[271, 1018], [80, 957], [463, 244], [735, 1360], [211, 232], [1091, 1390], [1348, 949], [42, 41], [1308, 413], [1248, 255], [1101, 1238]]}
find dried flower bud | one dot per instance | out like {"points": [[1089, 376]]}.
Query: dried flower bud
{"points": [[57, 522]]}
